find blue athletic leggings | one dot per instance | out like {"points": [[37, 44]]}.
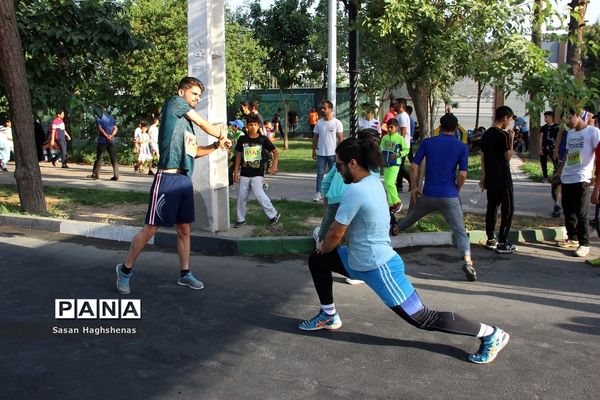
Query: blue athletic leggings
{"points": [[392, 286]]}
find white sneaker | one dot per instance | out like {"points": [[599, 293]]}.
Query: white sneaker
{"points": [[316, 236], [354, 281], [317, 197], [582, 251]]}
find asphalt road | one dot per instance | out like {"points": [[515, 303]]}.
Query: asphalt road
{"points": [[237, 338]]}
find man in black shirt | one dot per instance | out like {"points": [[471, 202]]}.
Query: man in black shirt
{"points": [[549, 132], [496, 151], [547, 143]]}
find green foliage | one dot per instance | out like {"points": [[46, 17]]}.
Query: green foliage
{"points": [[591, 57], [285, 30], [433, 44], [64, 43], [87, 154], [139, 81], [244, 58]]}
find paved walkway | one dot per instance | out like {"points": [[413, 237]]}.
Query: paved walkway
{"points": [[531, 198]]}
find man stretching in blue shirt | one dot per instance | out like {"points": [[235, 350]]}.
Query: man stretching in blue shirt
{"points": [[444, 155]]}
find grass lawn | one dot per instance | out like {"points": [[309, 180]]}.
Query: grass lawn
{"points": [[298, 157], [297, 218], [533, 169]]}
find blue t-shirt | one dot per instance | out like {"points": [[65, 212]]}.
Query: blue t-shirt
{"points": [[521, 124], [444, 154], [107, 123], [364, 210]]}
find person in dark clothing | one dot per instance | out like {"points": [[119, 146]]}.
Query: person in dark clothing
{"points": [[496, 151]]}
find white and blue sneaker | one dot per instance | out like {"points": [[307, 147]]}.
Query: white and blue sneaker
{"points": [[123, 280], [321, 321], [490, 347], [191, 281]]}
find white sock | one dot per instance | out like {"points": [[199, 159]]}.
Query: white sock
{"points": [[328, 308], [485, 330]]}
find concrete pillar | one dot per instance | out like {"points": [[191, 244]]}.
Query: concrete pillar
{"points": [[206, 61]]}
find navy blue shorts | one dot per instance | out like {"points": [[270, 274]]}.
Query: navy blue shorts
{"points": [[171, 200]]}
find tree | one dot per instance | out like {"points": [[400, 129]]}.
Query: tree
{"points": [[27, 173], [284, 30], [65, 42], [443, 35], [244, 57], [576, 24], [591, 57]]}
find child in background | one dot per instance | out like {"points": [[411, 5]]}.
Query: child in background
{"points": [[234, 132], [251, 158], [394, 147], [145, 152]]}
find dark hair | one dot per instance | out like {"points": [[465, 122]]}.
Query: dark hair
{"points": [[503, 111], [368, 133], [395, 106], [549, 113], [409, 109], [190, 81], [402, 101], [254, 105], [252, 118], [573, 112], [448, 122], [329, 103], [364, 151], [392, 122], [244, 103]]}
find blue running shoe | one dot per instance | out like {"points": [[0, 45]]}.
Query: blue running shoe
{"points": [[123, 280], [321, 321], [490, 347], [190, 280]]}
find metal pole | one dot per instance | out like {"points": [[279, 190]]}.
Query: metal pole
{"points": [[353, 55], [332, 51]]}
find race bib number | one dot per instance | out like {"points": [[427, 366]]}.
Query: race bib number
{"points": [[574, 158], [389, 146], [252, 153], [191, 145]]}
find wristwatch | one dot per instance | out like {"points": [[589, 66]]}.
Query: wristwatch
{"points": [[216, 145]]}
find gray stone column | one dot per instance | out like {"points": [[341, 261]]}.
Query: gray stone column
{"points": [[206, 61]]}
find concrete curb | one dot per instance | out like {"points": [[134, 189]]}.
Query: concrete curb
{"points": [[219, 245]]}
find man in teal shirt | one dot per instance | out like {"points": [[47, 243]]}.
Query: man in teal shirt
{"points": [[171, 195]]}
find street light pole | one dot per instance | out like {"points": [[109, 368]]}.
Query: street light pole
{"points": [[332, 51], [353, 56]]}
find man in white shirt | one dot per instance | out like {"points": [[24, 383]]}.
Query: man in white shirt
{"points": [[576, 175], [369, 121], [328, 133], [153, 132]]}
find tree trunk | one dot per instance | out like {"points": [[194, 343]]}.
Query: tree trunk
{"points": [[287, 122], [419, 97], [534, 120], [480, 88], [27, 171], [576, 24]]}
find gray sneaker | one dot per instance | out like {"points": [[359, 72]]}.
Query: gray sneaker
{"points": [[190, 280], [122, 281]]}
